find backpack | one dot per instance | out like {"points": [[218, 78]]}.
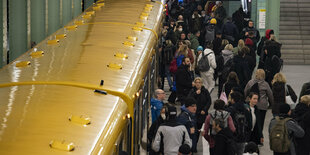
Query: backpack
{"points": [[279, 138], [210, 33], [255, 89], [227, 68], [277, 63], [224, 117], [241, 125], [231, 146], [203, 64]]}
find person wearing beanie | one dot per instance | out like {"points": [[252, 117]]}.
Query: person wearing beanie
{"points": [[171, 133], [184, 150], [251, 149], [293, 129], [188, 119], [269, 32]]}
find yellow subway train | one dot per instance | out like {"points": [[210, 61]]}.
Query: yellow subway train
{"points": [[86, 88]]}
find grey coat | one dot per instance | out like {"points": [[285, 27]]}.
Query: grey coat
{"points": [[265, 93], [173, 136], [294, 130]]}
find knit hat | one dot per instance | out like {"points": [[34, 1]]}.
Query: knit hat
{"points": [[249, 42], [199, 48], [268, 33], [171, 112], [185, 149], [284, 108], [189, 101], [213, 21]]}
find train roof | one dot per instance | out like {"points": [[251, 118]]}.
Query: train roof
{"points": [[32, 116]]}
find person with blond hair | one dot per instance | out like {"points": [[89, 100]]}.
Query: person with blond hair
{"points": [[224, 65], [265, 94], [240, 45], [280, 90], [302, 115], [203, 98]]}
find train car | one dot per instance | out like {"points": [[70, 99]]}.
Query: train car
{"points": [[86, 88]]}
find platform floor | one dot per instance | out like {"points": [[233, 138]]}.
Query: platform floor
{"points": [[296, 75]]}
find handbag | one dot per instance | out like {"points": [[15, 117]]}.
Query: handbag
{"points": [[288, 99], [223, 96]]}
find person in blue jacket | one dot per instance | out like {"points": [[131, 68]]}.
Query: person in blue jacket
{"points": [[157, 103]]}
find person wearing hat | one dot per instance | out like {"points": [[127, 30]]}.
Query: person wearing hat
{"points": [[171, 133], [269, 32], [188, 119], [293, 129], [210, 29]]}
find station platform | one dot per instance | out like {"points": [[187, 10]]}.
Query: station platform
{"points": [[296, 75]]}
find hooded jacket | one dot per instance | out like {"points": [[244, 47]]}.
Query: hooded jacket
{"points": [[265, 93], [207, 126], [172, 134], [262, 41], [211, 58], [227, 55], [156, 106]]}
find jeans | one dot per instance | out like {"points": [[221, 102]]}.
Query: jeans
{"points": [[168, 75]]}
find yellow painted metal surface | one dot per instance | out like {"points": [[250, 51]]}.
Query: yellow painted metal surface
{"points": [[31, 115]]}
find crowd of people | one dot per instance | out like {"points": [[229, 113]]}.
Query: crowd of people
{"points": [[201, 45]]}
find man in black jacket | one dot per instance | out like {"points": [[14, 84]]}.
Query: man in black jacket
{"points": [[239, 113], [153, 130], [183, 79], [222, 137]]}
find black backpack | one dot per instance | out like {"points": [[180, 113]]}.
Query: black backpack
{"points": [[254, 89], [227, 68], [241, 124], [204, 64], [231, 146], [277, 63]]}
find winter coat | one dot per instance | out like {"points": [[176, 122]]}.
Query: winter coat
{"points": [[257, 129], [230, 32], [273, 48], [265, 93], [278, 91], [242, 69], [221, 144], [172, 134], [248, 29], [212, 62], [194, 42], [217, 42], [294, 131], [153, 130], [303, 144], [261, 44], [183, 80], [233, 109], [203, 102], [207, 127], [210, 33], [189, 121], [156, 106]]}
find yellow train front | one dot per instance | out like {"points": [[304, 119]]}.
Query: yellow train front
{"points": [[86, 88]]}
